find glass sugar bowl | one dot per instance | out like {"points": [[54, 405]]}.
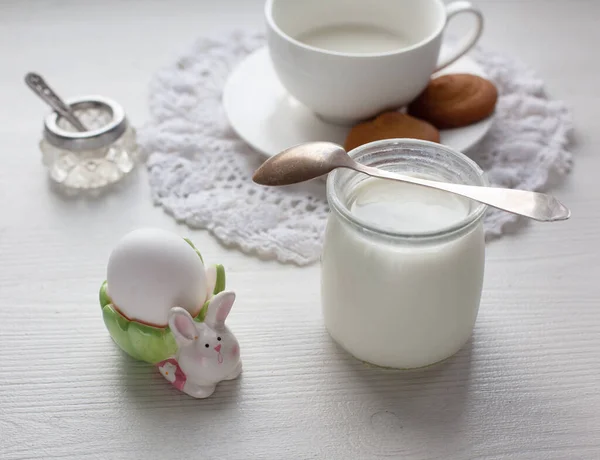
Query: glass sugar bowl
{"points": [[92, 159], [403, 265]]}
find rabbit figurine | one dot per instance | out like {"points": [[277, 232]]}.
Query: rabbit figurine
{"points": [[207, 353]]}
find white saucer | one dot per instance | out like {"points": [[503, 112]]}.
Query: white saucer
{"points": [[265, 116]]}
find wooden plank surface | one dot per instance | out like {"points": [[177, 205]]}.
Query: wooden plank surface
{"points": [[526, 387]]}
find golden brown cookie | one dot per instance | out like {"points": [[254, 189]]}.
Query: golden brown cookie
{"points": [[455, 100], [390, 125]]}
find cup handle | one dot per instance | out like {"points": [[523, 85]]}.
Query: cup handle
{"points": [[471, 39]]}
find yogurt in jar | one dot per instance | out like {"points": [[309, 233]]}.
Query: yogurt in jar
{"points": [[402, 265]]}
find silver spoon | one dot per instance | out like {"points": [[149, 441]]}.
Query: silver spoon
{"points": [[41, 88], [311, 160]]}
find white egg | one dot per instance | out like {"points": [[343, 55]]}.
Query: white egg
{"points": [[152, 270]]}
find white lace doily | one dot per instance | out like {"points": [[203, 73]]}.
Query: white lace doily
{"points": [[200, 171]]}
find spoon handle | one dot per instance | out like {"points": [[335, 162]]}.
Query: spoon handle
{"points": [[537, 206], [41, 88]]}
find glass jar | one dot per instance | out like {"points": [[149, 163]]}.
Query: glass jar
{"points": [[91, 159], [401, 284]]}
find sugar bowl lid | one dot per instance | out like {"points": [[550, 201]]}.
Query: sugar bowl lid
{"points": [[106, 122]]}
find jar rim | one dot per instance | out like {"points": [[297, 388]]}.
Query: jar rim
{"points": [[336, 203], [87, 140]]}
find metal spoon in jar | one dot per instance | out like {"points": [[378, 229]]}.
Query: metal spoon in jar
{"points": [[310, 160], [41, 88]]}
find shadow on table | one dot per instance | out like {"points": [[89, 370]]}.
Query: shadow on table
{"points": [[396, 407]]}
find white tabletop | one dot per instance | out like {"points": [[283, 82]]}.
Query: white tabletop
{"points": [[526, 387]]}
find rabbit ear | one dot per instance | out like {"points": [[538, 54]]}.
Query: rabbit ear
{"points": [[219, 307], [182, 325]]}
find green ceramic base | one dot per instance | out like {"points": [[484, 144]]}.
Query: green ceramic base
{"points": [[143, 342]]}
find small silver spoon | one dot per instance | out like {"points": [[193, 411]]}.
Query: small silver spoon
{"points": [[311, 160], [41, 88]]}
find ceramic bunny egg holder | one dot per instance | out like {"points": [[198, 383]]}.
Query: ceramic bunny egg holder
{"points": [[161, 305], [207, 352]]}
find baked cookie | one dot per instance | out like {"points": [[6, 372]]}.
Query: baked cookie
{"points": [[455, 100], [390, 125]]}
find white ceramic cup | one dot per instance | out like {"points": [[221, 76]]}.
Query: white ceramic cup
{"points": [[347, 86]]}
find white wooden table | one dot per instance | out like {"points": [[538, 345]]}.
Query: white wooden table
{"points": [[526, 387]]}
